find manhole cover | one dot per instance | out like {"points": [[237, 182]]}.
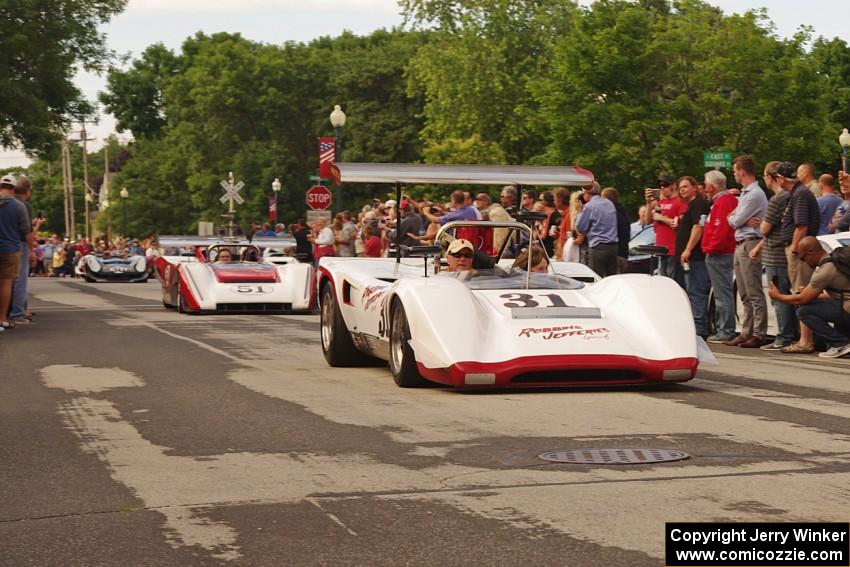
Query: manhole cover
{"points": [[613, 456]]}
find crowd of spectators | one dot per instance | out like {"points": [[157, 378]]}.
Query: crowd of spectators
{"points": [[717, 238]]}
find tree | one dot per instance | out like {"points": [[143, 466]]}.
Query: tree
{"points": [[636, 91], [476, 71], [43, 44], [134, 96], [225, 103]]}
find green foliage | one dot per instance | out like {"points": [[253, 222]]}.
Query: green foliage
{"points": [[649, 90], [624, 88], [44, 42], [476, 72], [229, 104], [468, 150], [134, 96]]}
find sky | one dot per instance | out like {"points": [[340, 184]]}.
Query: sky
{"points": [[145, 22]]}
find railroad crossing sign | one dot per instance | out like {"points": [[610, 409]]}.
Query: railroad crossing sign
{"points": [[232, 191], [318, 197]]}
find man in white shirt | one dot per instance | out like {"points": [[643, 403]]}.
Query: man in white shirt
{"points": [[323, 239]]}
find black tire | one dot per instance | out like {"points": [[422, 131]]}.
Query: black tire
{"points": [[402, 361], [337, 346], [181, 305]]}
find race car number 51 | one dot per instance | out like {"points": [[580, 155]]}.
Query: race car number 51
{"points": [[245, 289]]}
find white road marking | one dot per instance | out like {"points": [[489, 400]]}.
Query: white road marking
{"points": [[82, 379], [333, 517]]}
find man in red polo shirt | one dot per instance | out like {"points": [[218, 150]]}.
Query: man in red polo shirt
{"points": [[664, 212], [718, 244]]}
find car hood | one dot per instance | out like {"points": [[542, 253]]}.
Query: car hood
{"points": [[243, 272]]}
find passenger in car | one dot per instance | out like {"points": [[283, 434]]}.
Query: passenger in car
{"points": [[224, 256], [539, 261]]}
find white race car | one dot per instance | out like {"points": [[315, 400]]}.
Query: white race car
{"points": [[832, 241], [196, 279], [499, 325]]}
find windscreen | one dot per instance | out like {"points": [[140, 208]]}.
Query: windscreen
{"points": [[514, 279]]}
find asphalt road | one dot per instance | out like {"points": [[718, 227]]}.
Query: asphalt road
{"points": [[131, 435]]}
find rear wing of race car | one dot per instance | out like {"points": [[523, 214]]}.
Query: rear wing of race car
{"points": [[452, 174], [275, 243]]}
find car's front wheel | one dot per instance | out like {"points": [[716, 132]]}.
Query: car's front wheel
{"points": [[337, 345], [402, 362], [181, 302]]}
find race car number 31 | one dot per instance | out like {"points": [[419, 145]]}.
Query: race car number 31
{"points": [[247, 289], [527, 300]]}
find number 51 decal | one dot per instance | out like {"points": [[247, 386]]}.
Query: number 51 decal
{"points": [[250, 289], [528, 300]]}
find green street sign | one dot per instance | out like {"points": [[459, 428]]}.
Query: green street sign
{"points": [[717, 159]]}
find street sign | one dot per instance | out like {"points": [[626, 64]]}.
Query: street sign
{"points": [[717, 159], [318, 197]]}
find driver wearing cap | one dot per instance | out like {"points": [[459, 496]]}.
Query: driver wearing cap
{"points": [[459, 255]]}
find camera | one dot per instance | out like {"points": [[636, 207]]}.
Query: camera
{"points": [[40, 215]]}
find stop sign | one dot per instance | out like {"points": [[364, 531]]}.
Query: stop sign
{"points": [[318, 197]]}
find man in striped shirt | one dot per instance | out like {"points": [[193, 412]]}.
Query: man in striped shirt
{"points": [[771, 251]]}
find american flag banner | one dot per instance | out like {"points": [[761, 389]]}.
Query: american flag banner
{"points": [[272, 209], [327, 155]]}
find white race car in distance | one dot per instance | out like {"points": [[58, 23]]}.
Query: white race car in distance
{"points": [[195, 279], [497, 325]]}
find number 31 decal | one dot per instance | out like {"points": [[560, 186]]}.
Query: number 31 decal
{"points": [[527, 300]]}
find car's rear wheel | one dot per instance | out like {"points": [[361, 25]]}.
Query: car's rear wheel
{"points": [[402, 362], [337, 345]]}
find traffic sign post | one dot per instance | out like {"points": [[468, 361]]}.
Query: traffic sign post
{"points": [[717, 159], [319, 197]]}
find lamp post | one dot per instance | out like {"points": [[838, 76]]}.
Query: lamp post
{"points": [[276, 186], [124, 195], [844, 140], [338, 121], [104, 207]]}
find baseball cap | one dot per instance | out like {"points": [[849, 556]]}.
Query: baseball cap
{"points": [[390, 204], [787, 170], [8, 179], [666, 179], [594, 188], [459, 244]]}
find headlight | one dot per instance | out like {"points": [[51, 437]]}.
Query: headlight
{"points": [[93, 264]]}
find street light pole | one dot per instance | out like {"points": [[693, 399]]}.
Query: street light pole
{"points": [[338, 121], [844, 140], [276, 186], [124, 195]]}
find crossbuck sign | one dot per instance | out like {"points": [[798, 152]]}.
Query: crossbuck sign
{"points": [[232, 191]]}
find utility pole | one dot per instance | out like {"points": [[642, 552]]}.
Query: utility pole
{"points": [[65, 184], [86, 189], [104, 188], [68, 183]]}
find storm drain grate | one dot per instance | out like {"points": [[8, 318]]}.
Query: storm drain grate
{"points": [[613, 456]]}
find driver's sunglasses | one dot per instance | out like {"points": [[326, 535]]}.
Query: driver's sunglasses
{"points": [[461, 254]]}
